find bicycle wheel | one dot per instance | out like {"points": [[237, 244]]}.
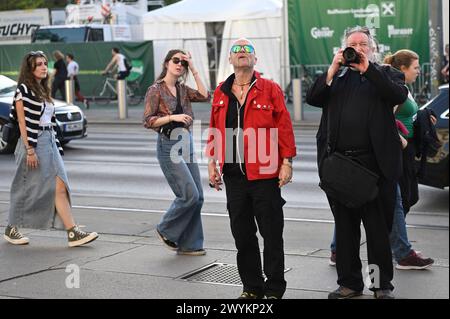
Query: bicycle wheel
{"points": [[133, 96], [102, 94]]}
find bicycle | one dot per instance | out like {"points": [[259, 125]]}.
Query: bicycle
{"points": [[106, 91]]}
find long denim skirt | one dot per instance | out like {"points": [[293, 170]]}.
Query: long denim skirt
{"points": [[32, 198]]}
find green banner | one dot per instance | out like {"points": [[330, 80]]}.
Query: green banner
{"points": [[91, 57], [316, 28]]}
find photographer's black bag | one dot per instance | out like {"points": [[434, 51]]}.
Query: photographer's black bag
{"points": [[348, 182], [10, 132], [344, 179], [169, 127]]}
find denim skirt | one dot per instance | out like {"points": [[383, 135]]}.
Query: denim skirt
{"points": [[32, 198]]}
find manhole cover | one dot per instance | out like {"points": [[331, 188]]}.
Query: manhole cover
{"points": [[217, 273]]}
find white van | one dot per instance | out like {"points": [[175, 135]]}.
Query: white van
{"points": [[81, 33]]}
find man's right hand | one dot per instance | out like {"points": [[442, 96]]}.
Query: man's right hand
{"points": [[214, 176], [335, 65]]}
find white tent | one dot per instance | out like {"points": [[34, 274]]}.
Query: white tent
{"points": [[183, 25]]}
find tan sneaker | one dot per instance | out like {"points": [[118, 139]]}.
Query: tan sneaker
{"points": [[77, 237], [13, 236]]}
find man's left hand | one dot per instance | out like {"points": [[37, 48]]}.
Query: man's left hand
{"points": [[285, 175]]}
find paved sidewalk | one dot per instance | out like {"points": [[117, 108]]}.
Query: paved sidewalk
{"points": [[128, 261]]}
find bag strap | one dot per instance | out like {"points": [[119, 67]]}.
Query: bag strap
{"points": [[179, 108], [43, 109]]}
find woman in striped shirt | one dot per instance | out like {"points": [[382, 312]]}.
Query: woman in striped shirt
{"points": [[40, 188]]}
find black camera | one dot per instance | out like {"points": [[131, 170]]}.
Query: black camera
{"points": [[350, 56]]}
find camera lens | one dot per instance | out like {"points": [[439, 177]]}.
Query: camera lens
{"points": [[350, 56]]}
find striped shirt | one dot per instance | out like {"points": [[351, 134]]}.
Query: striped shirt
{"points": [[33, 112]]}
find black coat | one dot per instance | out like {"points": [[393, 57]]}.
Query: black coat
{"points": [[387, 90]]}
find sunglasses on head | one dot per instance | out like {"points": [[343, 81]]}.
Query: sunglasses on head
{"points": [[238, 48], [177, 60], [33, 53], [364, 30]]}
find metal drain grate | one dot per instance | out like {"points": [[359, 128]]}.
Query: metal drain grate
{"points": [[217, 273]]}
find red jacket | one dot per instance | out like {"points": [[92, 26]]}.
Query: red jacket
{"points": [[268, 133]]}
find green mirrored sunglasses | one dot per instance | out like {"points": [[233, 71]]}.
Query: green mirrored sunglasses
{"points": [[238, 48]]}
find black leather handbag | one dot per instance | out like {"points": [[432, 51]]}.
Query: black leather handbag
{"points": [[347, 181], [169, 127], [10, 132]]}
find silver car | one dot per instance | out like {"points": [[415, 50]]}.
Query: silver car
{"points": [[70, 119]]}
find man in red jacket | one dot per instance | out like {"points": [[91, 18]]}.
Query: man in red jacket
{"points": [[252, 139]]}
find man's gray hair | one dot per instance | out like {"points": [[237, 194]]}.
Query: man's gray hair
{"points": [[358, 29]]}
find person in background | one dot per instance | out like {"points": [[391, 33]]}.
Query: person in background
{"points": [[72, 73], [407, 192], [118, 61], [59, 75], [40, 188]]}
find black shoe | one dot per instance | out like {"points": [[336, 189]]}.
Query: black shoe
{"points": [[249, 295], [384, 294], [344, 293], [169, 244]]}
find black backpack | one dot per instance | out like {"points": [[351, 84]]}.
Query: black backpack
{"points": [[128, 66], [426, 141]]}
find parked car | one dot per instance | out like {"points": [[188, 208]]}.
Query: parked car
{"points": [[436, 170], [71, 121]]}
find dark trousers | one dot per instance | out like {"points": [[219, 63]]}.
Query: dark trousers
{"points": [[78, 94], [377, 218], [260, 200], [59, 85]]}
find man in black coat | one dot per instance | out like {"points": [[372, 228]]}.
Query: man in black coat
{"points": [[358, 102]]}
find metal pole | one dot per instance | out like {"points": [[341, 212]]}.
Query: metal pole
{"points": [[70, 89], [122, 99], [297, 93]]}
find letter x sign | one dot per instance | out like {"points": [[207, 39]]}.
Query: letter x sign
{"points": [[388, 8]]}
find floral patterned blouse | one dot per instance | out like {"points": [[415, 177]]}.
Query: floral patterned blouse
{"points": [[159, 102]]}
